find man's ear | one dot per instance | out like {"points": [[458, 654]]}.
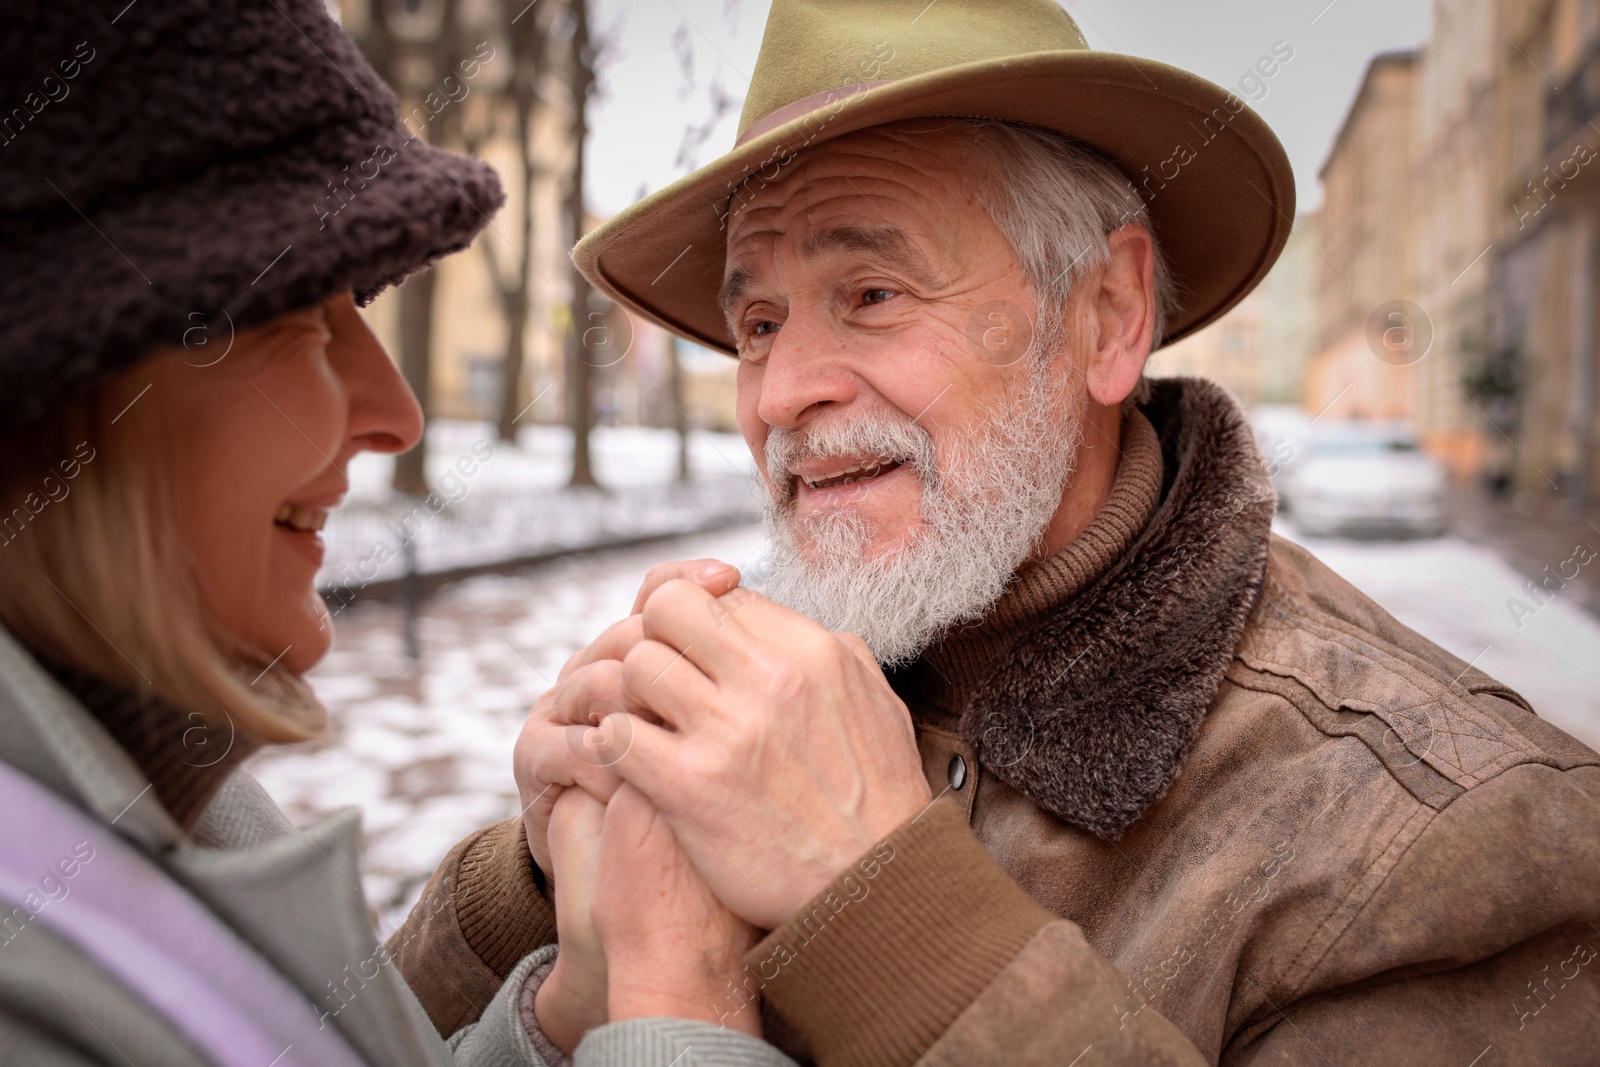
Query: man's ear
{"points": [[1121, 315]]}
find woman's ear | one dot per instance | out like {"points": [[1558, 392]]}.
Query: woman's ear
{"points": [[1120, 314]]}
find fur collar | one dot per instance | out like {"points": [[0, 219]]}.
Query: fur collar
{"points": [[1090, 697]]}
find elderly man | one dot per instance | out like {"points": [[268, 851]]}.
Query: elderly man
{"points": [[1038, 747]]}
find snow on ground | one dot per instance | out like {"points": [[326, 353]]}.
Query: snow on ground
{"points": [[623, 456], [424, 748], [493, 501]]}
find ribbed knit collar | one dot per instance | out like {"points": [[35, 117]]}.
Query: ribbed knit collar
{"points": [[1085, 685], [941, 682], [185, 757]]}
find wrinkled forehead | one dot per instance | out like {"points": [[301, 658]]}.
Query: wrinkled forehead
{"points": [[915, 180]]}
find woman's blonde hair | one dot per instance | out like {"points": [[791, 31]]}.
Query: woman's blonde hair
{"points": [[94, 576]]}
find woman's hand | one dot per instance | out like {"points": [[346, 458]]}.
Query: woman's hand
{"points": [[569, 740], [673, 949], [572, 999]]}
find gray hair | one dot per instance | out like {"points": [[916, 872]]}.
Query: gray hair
{"points": [[1057, 200]]}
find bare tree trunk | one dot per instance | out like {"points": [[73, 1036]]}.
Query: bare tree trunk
{"points": [[385, 51], [416, 350], [514, 298], [516, 310], [680, 416], [527, 50], [580, 366]]}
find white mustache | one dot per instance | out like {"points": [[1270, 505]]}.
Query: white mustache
{"points": [[879, 434], [984, 508]]}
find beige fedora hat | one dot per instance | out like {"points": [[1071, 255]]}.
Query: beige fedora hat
{"points": [[1217, 182]]}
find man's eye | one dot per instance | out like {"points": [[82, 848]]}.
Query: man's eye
{"points": [[761, 329], [876, 296]]}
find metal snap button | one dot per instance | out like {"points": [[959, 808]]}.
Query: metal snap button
{"points": [[958, 772]]}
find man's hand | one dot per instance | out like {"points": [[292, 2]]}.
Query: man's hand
{"points": [[675, 950], [783, 754], [572, 999], [568, 739]]}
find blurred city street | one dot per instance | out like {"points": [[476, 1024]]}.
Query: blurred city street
{"points": [[424, 748]]}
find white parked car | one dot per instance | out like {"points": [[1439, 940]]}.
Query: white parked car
{"points": [[1281, 432], [1368, 477]]}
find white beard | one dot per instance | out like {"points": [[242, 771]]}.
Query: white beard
{"points": [[983, 514]]}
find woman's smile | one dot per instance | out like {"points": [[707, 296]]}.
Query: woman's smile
{"points": [[301, 526]]}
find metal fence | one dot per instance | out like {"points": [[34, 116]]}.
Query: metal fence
{"points": [[486, 526]]}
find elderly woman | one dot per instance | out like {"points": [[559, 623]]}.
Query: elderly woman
{"points": [[194, 197]]}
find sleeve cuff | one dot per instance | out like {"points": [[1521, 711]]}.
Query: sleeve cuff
{"points": [[674, 1043], [500, 903], [499, 1036], [481, 913], [880, 963], [527, 1005]]}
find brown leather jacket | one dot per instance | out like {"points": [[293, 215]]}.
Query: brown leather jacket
{"points": [[1199, 801]]}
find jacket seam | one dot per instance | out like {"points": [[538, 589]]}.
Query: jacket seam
{"points": [[1536, 757], [1377, 888], [1512, 740], [1421, 810], [1312, 696], [1322, 624], [1501, 691]]}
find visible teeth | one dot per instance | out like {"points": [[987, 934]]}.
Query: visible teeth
{"points": [[298, 518], [870, 471]]}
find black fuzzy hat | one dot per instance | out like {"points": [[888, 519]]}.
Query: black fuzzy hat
{"points": [[174, 166]]}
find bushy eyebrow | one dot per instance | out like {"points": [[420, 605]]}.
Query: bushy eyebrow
{"points": [[736, 285], [887, 243]]}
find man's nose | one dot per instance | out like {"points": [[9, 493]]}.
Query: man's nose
{"points": [[805, 373]]}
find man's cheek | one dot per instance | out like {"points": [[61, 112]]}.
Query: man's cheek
{"points": [[747, 403]]}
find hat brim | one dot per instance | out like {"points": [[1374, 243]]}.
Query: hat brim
{"points": [[95, 288], [1220, 193]]}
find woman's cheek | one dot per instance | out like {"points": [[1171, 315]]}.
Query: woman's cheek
{"points": [[311, 409]]}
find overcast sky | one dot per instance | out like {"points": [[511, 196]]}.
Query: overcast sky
{"points": [[649, 97]]}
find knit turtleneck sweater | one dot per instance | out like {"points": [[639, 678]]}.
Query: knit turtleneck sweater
{"points": [[186, 756], [939, 685], [1084, 685]]}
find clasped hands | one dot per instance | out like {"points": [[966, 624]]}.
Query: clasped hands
{"points": [[701, 770]]}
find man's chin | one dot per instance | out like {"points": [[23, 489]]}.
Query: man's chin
{"points": [[818, 540]]}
